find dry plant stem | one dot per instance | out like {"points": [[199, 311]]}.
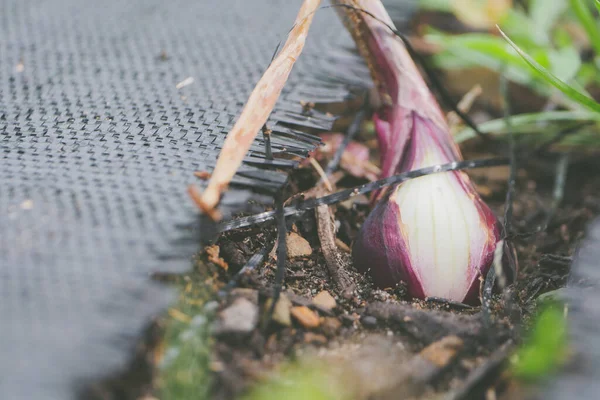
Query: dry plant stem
{"points": [[335, 261], [508, 206], [463, 105], [281, 258], [257, 111], [322, 174], [316, 190], [196, 196]]}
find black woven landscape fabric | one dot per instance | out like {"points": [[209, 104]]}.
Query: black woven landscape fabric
{"points": [[581, 378], [106, 110]]}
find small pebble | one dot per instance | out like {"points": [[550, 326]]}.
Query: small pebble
{"points": [[297, 246], [314, 338], [281, 313], [325, 300], [330, 326], [369, 321], [348, 319], [240, 317], [250, 294], [305, 316]]}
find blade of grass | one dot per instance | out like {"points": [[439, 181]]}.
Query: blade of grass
{"points": [[597, 3], [498, 126], [491, 46], [553, 80], [584, 14]]}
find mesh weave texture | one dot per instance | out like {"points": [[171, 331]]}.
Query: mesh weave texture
{"points": [[97, 146], [580, 377]]}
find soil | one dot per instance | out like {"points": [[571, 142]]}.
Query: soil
{"points": [[396, 343], [544, 259], [384, 342]]}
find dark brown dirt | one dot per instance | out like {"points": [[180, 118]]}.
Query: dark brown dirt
{"points": [[544, 259]]}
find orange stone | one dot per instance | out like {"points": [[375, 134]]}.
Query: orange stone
{"points": [[305, 316]]}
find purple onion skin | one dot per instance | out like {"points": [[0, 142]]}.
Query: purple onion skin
{"points": [[382, 246], [438, 248], [377, 253]]}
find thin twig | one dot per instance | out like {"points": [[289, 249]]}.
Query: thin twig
{"points": [[557, 196], [322, 174], [196, 197], [497, 270], [281, 257], [559, 188], [508, 205], [542, 148], [252, 264], [257, 110], [497, 264], [335, 261], [463, 105], [486, 298], [352, 131]]}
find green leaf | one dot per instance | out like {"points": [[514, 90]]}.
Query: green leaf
{"points": [[546, 347], [562, 38], [489, 45], [588, 74], [543, 18], [468, 50], [565, 62], [498, 126], [584, 14], [521, 27], [300, 382], [437, 5], [461, 58], [553, 80], [597, 3]]}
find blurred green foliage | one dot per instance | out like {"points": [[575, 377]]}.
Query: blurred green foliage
{"points": [[185, 362], [553, 49], [545, 349], [300, 381]]}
